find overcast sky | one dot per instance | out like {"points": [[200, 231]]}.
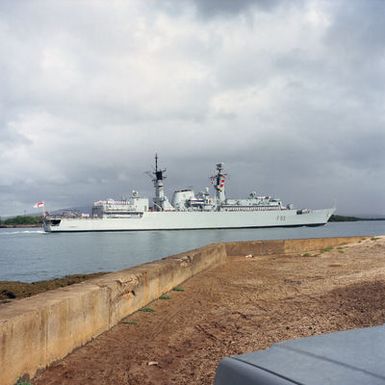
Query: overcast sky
{"points": [[290, 95]]}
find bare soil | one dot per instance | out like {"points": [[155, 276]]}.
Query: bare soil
{"points": [[242, 306], [11, 290]]}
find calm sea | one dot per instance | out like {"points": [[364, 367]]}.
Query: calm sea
{"points": [[31, 255]]}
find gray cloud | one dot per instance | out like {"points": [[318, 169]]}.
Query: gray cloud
{"points": [[222, 9], [290, 97], [229, 7]]}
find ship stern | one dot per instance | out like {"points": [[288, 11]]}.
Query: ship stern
{"points": [[51, 224]]}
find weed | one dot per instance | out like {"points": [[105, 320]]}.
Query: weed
{"points": [[23, 382], [178, 288], [326, 249], [340, 251], [374, 238], [164, 296], [147, 309], [306, 255]]}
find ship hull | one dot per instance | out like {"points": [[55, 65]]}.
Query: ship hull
{"points": [[179, 220]]}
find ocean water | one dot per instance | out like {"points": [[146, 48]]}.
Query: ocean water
{"points": [[31, 255]]}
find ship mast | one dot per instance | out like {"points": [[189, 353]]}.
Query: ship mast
{"points": [[159, 187], [219, 184]]}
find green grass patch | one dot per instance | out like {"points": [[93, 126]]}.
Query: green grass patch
{"points": [[164, 296], [178, 288], [23, 382], [374, 238], [326, 249], [147, 309], [306, 255]]}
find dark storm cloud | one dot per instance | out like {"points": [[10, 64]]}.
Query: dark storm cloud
{"points": [[230, 7]]}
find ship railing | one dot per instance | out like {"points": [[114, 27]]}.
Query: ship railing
{"points": [[251, 208], [109, 208], [127, 214]]}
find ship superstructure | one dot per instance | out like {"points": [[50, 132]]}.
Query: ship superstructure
{"points": [[188, 210]]}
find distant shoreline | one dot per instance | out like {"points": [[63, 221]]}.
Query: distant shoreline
{"points": [[18, 226], [345, 218]]}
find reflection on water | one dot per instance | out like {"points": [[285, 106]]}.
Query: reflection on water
{"points": [[31, 255]]}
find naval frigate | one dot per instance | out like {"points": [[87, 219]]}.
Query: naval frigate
{"points": [[187, 211]]}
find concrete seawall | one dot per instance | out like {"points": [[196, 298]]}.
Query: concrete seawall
{"points": [[36, 331], [285, 246]]}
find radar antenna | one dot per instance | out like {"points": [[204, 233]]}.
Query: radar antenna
{"points": [[158, 172], [218, 180], [159, 186]]}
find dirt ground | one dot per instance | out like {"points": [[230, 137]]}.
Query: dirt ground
{"points": [[12, 290], [244, 305]]}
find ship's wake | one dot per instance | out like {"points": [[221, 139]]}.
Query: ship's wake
{"points": [[22, 232]]}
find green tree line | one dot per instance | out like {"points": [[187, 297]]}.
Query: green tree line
{"points": [[22, 220]]}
